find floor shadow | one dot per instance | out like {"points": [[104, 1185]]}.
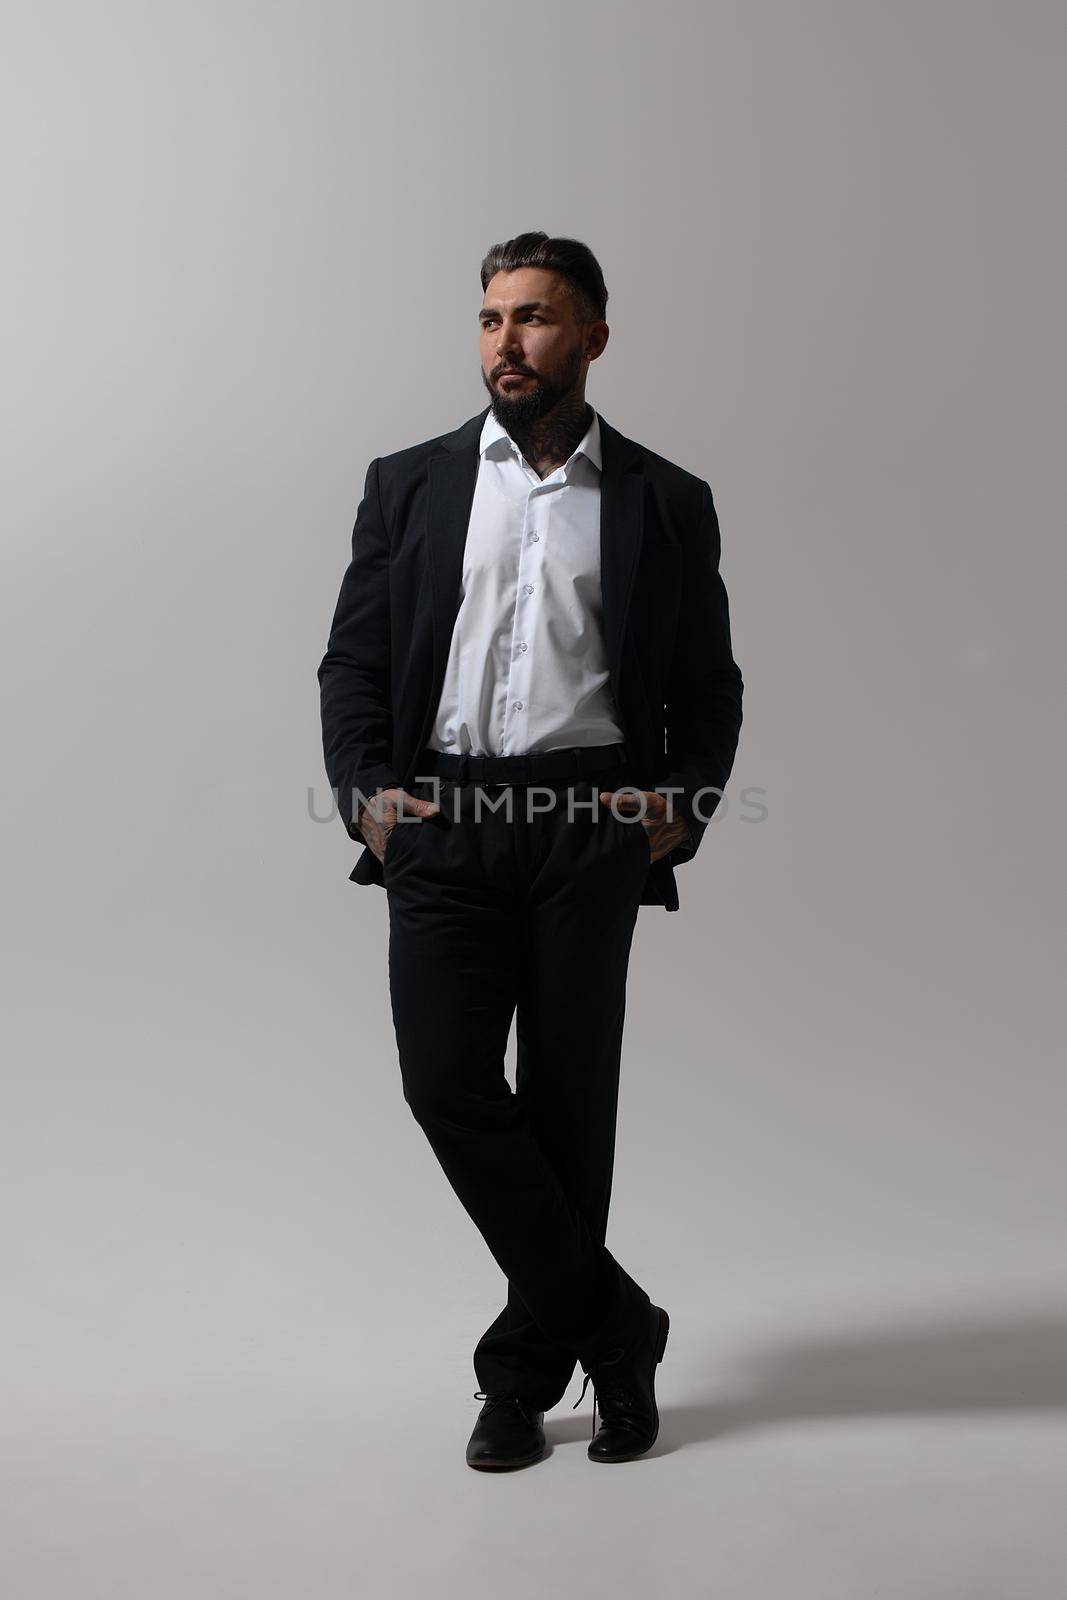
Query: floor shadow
{"points": [[972, 1364], [570, 1430]]}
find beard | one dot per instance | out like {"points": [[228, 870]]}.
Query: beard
{"points": [[517, 413]]}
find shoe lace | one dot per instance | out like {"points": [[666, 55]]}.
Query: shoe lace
{"points": [[612, 1397], [495, 1398]]}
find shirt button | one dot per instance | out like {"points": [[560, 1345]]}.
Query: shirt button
{"points": [[524, 646], [518, 705], [527, 588], [534, 538]]}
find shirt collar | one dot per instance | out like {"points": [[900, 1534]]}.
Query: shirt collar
{"points": [[493, 432]]}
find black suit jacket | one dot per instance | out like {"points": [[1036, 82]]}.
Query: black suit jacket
{"points": [[676, 685]]}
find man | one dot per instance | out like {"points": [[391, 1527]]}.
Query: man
{"points": [[530, 708]]}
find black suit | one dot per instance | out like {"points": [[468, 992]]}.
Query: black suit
{"points": [[666, 622], [530, 917]]}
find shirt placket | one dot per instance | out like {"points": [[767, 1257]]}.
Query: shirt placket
{"points": [[529, 588]]}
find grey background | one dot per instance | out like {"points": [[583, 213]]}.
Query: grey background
{"points": [[240, 259]]}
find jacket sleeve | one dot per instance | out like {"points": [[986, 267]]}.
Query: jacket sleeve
{"points": [[702, 711], [354, 675]]}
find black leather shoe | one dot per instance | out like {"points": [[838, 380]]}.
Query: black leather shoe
{"points": [[508, 1433], [624, 1392]]}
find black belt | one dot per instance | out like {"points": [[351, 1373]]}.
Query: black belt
{"points": [[535, 767]]}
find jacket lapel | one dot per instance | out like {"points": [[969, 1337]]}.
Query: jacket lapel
{"points": [[452, 477], [622, 505]]}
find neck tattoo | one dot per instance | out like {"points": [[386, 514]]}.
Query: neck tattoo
{"points": [[553, 440]]}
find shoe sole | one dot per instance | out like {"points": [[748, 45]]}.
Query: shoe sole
{"points": [[506, 1466], [661, 1345]]}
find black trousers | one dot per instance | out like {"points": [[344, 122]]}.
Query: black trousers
{"points": [[529, 916]]}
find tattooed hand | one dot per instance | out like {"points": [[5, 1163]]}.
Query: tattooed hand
{"points": [[377, 817], [662, 835]]}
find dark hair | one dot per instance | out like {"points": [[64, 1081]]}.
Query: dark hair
{"points": [[573, 260]]}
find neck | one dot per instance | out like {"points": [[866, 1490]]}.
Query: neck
{"points": [[552, 440]]}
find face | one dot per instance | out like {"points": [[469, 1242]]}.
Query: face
{"points": [[527, 326]]}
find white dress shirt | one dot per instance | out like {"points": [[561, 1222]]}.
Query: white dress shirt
{"points": [[527, 668]]}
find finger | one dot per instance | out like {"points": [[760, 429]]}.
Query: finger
{"points": [[414, 807], [646, 803]]}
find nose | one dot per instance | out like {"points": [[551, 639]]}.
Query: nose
{"points": [[508, 353]]}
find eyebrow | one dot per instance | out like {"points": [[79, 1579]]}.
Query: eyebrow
{"points": [[527, 305]]}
